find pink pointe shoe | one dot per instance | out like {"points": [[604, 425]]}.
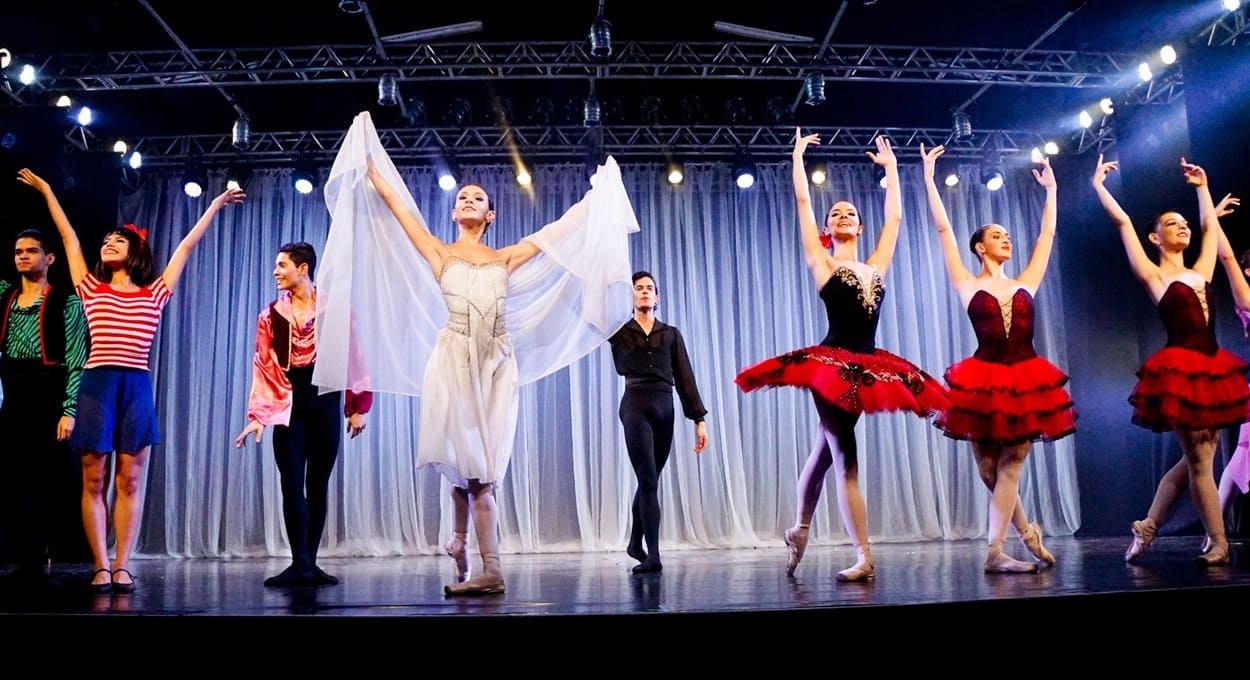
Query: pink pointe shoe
{"points": [[796, 541]]}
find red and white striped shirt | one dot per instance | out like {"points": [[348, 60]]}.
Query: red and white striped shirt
{"points": [[121, 323]]}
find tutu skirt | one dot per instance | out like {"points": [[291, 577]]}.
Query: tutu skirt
{"points": [[1007, 404], [1180, 388], [851, 381]]}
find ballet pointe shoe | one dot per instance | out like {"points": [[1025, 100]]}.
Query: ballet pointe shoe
{"points": [[1032, 540], [489, 582], [796, 541], [456, 551], [861, 571], [998, 562], [1143, 533], [1215, 553]]}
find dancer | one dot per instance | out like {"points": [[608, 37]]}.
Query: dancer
{"points": [[1191, 387], [513, 315], [306, 433], [846, 373], [43, 346], [122, 298], [652, 356], [1004, 397]]}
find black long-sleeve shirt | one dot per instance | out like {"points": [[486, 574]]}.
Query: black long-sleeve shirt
{"points": [[657, 362]]}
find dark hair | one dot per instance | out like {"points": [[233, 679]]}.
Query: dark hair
{"points": [[1245, 260], [1157, 220], [977, 237], [300, 253], [643, 274], [34, 235], [139, 263], [490, 201]]}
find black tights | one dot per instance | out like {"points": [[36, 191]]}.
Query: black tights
{"points": [[306, 451], [648, 419]]}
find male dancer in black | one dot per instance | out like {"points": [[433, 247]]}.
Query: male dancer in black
{"points": [[652, 357]]}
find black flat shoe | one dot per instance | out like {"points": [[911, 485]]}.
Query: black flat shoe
{"points": [[291, 577], [100, 588], [123, 588]]}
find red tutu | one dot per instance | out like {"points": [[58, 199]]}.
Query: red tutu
{"points": [[1007, 404], [853, 382], [1181, 389]]}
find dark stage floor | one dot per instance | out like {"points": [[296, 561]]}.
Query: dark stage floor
{"points": [[934, 585]]}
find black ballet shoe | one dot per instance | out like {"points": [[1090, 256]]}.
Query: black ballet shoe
{"points": [[123, 587], [651, 565], [101, 588], [320, 578], [636, 552], [291, 577]]}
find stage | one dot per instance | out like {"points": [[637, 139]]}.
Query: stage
{"points": [[937, 585]]}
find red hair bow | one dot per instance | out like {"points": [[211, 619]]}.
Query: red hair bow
{"points": [[141, 233], [826, 240]]}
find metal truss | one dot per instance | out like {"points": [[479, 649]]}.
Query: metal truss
{"points": [[324, 64], [559, 144]]}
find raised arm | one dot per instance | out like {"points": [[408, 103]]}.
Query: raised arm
{"points": [[1196, 177], [1146, 271], [883, 255], [1031, 277], [818, 261], [959, 275], [73, 249], [173, 270], [429, 246]]}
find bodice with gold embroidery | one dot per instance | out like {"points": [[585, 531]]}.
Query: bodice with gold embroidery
{"points": [[853, 307]]}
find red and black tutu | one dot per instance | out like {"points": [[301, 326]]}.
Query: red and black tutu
{"points": [[1007, 404], [851, 381], [1184, 389]]}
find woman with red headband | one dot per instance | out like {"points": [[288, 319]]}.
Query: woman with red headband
{"points": [[122, 298]]}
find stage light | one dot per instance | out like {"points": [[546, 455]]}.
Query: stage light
{"points": [[237, 176], [814, 86], [27, 75], [6, 58], [8, 140], [459, 113], [448, 173], [304, 177], [241, 133], [1232, 5], [120, 147], [819, 174], [1106, 106], [388, 90], [778, 111], [736, 111], [992, 178], [692, 110], [1036, 155], [882, 179], [600, 37], [744, 171], [676, 173], [542, 111], [352, 6], [136, 160], [952, 179], [84, 116], [1085, 119], [591, 113], [523, 176], [1051, 148], [193, 180], [1143, 72], [652, 110], [64, 102], [1167, 54], [961, 126], [415, 112]]}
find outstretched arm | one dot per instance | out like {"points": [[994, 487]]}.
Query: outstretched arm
{"points": [[173, 270], [883, 255], [433, 250], [809, 229], [73, 249], [1146, 271], [1196, 177], [1031, 277], [1232, 264], [959, 275]]}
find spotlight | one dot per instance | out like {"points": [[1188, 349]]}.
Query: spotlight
{"points": [[1167, 54], [523, 176], [1143, 72], [992, 178], [601, 38], [778, 111], [962, 127], [1085, 119], [502, 108], [736, 111], [1036, 155], [352, 6], [814, 86], [819, 174], [542, 111], [652, 110], [304, 177], [1232, 5], [692, 109], [448, 174], [237, 176], [459, 112], [6, 58], [84, 116], [27, 75], [952, 179], [1051, 149], [136, 160], [591, 113], [8, 140], [882, 179], [64, 102], [241, 133], [1106, 106], [120, 147], [744, 171], [388, 90], [193, 180], [676, 173], [414, 111]]}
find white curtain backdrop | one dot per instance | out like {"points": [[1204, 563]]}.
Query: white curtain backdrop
{"points": [[732, 279]]}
